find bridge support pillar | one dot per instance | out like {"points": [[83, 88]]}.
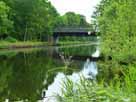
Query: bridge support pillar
{"points": [[50, 40], [55, 39]]}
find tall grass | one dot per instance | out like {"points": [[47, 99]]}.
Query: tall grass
{"points": [[118, 90]]}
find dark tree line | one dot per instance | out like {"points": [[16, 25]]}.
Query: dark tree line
{"points": [[33, 19]]}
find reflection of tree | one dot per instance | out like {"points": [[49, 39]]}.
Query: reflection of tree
{"points": [[81, 50], [78, 38], [29, 71], [7, 54], [23, 76], [5, 75]]}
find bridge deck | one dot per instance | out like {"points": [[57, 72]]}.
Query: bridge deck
{"points": [[73, 32]]}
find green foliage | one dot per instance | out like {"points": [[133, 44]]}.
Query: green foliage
{"points": [[5, 23], [80, 50], [117, 26], [10, 39], [33, 19], [88, 91], [70, 19]]}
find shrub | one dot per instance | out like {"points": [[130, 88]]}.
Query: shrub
{"points": [[10, 39]]}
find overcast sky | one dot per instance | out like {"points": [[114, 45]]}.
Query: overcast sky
{"points": [[85, 7]]}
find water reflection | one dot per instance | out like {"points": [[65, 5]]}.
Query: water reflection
{"points": [[89, 71], [24, 74], [96, 53]]}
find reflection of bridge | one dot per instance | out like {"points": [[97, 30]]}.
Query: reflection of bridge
{"points": [[93, 53], [78, 57], [81, 32]]}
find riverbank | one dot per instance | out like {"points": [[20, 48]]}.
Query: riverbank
{"points": [[30, 44]]}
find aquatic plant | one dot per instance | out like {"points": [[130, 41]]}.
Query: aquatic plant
{"points": [[89, 91]]}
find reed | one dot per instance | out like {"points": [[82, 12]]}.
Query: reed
{"points": [[118, 90]]}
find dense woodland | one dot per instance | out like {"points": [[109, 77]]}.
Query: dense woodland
{"points": [[116, 20], [33, 19]]}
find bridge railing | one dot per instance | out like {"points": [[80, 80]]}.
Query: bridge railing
{"points": [[67, 29]]}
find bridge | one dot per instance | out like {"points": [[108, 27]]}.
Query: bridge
{"points": [[71, 31]]}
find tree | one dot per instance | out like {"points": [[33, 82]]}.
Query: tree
{"points": [[33, 19], [117, 26], [70, 19], [5, 23]]}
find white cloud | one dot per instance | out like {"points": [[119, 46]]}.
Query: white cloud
{"points": [[85, 7]]}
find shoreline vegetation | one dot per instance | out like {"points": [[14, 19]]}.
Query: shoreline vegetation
{"points": [[14, 45], [33, 44], [88, 91], [120, 87]]}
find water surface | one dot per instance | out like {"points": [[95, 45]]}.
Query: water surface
{"points": [[26, 73]]}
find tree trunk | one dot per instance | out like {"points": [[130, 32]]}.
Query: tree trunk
{"points": [[25, 36]]}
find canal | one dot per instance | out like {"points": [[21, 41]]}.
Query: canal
{"points": [[29, 75]]}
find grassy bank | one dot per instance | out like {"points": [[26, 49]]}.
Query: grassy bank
{"points": [[30, 44], [10, 45]]}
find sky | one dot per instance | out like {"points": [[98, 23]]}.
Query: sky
{"points": [[85, 7]]}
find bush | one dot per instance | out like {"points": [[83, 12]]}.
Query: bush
{"points": [[117, 90], [10, 39]]}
